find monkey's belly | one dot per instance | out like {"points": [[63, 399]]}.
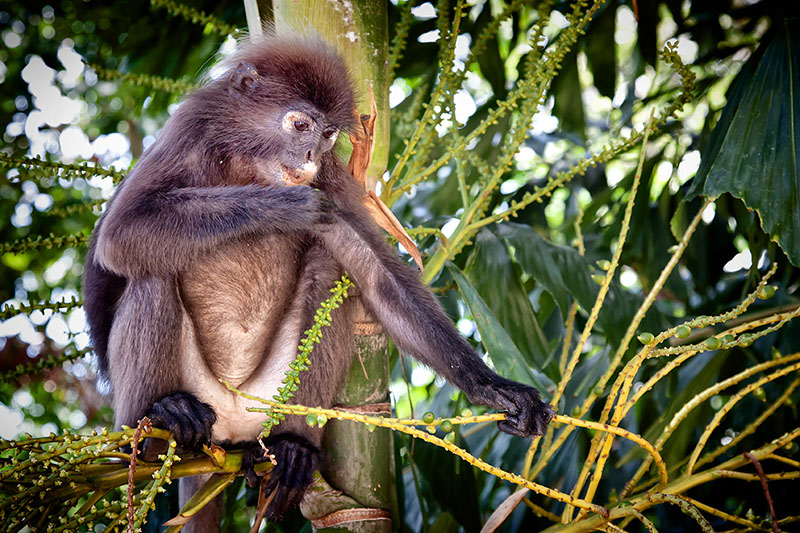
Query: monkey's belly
{"points": [[235, 298]]}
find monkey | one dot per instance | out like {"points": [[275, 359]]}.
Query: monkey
{"points": [[219, 245]]}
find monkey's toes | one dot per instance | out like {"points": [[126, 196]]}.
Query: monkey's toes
{"points": [[187, 418], [296, 459]]}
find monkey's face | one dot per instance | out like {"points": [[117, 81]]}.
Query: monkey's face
{"points": [[306, 137]]}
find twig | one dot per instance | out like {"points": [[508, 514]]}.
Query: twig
{"points": [[765, 487], [144, 425]]}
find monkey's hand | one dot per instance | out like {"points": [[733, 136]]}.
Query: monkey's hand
{"points": [[526, 413], [312, 209], [187, 418], [296, 459]]}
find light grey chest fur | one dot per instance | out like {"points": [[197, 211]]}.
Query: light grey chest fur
{"points": [[241, 324], [235, 298]]}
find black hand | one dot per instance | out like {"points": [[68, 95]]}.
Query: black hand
{"points": [[526, 413], [187, 418]]}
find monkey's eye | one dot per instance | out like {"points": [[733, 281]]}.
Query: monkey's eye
{"points": [[329, 133], [300, 125]]}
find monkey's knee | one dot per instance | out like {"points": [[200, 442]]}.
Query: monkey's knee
{"points": [[187, 418]]}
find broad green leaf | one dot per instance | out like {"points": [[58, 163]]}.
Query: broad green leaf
{"points": [[507, 359], [754, 150], [563, 270], [496, 278], [679, 222], [540, 266]]}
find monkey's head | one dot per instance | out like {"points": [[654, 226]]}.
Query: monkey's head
{"points": [[294, 97]]}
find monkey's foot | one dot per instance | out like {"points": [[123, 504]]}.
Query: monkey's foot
{"points": [[187, 418], [296, 459], [526, 413]]}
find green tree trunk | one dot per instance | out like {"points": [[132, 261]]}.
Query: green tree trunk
{"points": [[358, 462]]}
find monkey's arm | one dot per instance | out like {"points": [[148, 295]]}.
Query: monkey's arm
{"points": [[415, 320], [159, 231]]}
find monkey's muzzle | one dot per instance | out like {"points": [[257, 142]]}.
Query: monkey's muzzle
{"points": [[299, 176]]}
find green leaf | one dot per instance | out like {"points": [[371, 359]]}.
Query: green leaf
{"points": [[679, 222], [451, 482], [536, 262], [601, 50], [507, 359], [563, 271], [754, 150], [496, 278], [568, 106]]}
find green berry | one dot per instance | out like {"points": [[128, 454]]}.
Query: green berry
{"points": [[745, 339], [430, 429], [760, 394], [371, 427], [598, 278], [311, 419], [447, 426], [428, 417], [767, 292], [466, 411], [683, 331], [322, 420], [604, 264], [646, 337], [712, 343], [450, 437]]}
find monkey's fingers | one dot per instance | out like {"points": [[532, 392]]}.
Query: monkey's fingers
{"points": [[530, 415], [187, 418]]}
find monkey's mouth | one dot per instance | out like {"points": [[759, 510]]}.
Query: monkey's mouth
{"points": [[299, 176]]}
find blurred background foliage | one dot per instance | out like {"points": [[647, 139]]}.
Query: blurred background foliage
{"points": [[525, 273]]}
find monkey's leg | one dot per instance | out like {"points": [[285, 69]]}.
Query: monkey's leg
{"points": [[161, 232], [144, 367], [415, 320], [295, 444], [142, 348]]}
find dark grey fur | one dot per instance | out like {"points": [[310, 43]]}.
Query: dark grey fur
{"points": [[207, 265]]}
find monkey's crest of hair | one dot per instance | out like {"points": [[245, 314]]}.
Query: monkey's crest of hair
{"points": [[296, 70]]}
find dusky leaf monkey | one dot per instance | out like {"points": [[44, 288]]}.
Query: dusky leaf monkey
{"points": [[220, 244]]}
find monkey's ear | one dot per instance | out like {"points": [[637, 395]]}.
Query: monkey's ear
{"points": [[243, 79]]}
